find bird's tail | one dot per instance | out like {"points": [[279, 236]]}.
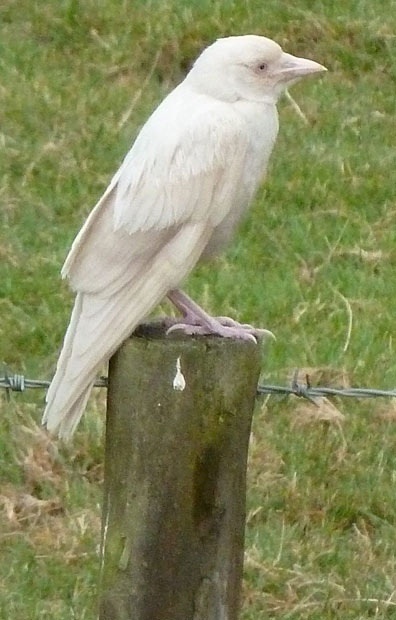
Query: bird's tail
{"points": [[97, 328], [55, 416]]}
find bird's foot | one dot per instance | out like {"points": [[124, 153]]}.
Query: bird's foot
{"points": [[224, 327], [196, 321]]}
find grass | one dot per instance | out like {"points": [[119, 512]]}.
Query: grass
{"points": [[76, 82]]}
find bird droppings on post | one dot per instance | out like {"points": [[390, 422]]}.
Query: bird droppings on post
{"points": [[179, 382]]}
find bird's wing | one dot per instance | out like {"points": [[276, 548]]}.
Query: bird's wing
{"points": [[142, 239]]}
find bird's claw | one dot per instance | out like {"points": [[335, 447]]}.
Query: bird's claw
{"points": [[256, 331], [223, 331], [223, 327], [196, 321]]}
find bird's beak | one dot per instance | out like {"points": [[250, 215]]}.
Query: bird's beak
{"points": [[292, 68]]}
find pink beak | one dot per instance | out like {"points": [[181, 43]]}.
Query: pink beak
{"points": [[292, 67]]}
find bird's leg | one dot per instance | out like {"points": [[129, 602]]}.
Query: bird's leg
{"points": [[196, 321]]}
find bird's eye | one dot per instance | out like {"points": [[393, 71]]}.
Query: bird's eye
{"points": [[262, 67]]}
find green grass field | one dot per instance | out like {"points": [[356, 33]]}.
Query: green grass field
{"points": [[77, 79]]}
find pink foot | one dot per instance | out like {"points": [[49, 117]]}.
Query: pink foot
{"points": [[196, 321]]}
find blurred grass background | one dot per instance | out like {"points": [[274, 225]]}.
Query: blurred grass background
{"points": [[77, 80]]}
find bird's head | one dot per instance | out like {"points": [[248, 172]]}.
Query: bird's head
{"points": [[248, 67]]}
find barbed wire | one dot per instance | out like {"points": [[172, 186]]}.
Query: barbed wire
{"points": [[312, 392], [19, 383]]}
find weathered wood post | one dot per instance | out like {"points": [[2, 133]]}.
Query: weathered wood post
{"points": [[178, 424]]}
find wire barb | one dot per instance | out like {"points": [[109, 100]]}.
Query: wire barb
{"points": [[14, 383], [298, 389]]}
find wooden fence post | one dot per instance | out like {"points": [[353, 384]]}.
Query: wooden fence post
{"points": [[178, 423]]}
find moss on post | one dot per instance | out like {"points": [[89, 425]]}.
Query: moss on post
{"points": [[178, 424]]}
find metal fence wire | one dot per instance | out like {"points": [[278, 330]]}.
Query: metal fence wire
{"points": [[19, 383]]}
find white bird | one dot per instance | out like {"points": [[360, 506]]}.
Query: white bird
{"points": [[177, 197]]}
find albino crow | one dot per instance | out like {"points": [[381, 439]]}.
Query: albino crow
{"points": [[178, 196]]}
